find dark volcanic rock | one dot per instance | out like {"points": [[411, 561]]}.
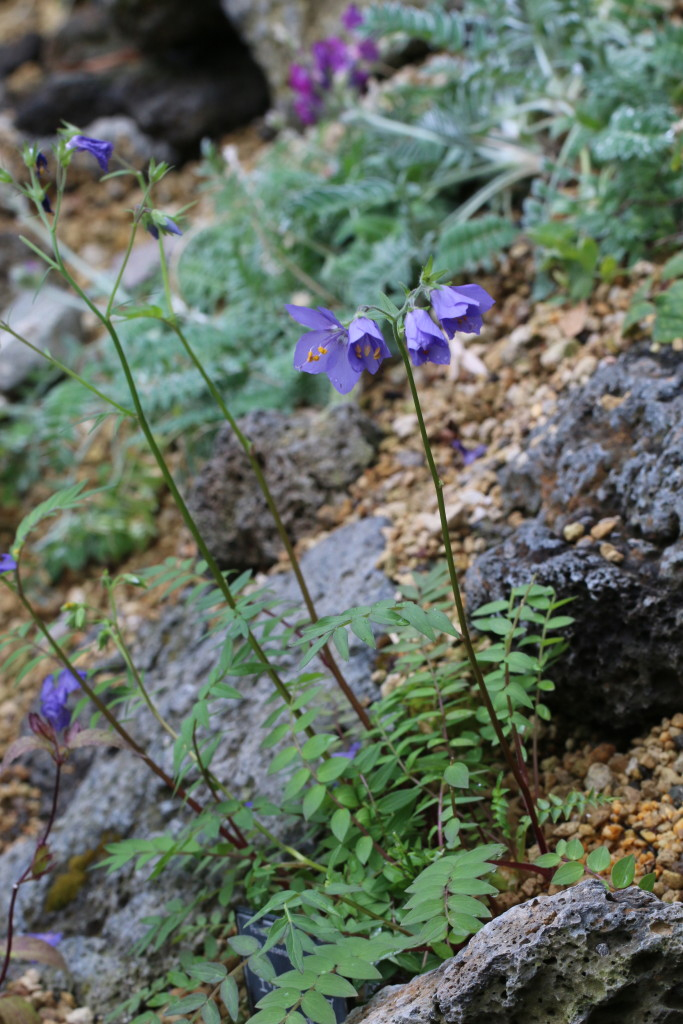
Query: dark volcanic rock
{"points": [[614, 449], [307, 459], [583, 956]]}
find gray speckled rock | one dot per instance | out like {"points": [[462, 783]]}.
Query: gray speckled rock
{"points": [[308, 458], [118, 794], [50, 320], [614, 450], [583, 956]]}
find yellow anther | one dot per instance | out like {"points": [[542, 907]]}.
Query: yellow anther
{"points": [[376, 353], [358, 351], [312, 358], [323, 351]]}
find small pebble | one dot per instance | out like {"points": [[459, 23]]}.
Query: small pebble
{"points": [[604, 527], [610, 553], [572, 531]]}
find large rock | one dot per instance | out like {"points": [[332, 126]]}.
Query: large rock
{"points": [[611, 461], [115, 793], [307, 459], [50, 320], [583, 956]]}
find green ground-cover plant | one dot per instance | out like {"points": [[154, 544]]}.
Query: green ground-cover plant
{"points": [[405, 810]]}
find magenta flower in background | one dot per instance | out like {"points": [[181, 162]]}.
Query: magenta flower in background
{"points": [[351, 18], [7, 563], [100, 149], [425, 342], [460, 309], [367, 347], [54, 695], [325, 348]]}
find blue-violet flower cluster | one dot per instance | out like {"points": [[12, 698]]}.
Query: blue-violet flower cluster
{"points": [[331, 348]]}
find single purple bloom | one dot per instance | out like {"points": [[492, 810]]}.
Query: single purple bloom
{"points": [[460, 309], [307, 110], [45, 203], [350, 753], [300, 80], [351, 18], [426, 343], [325, 349], [168, 227], [469, 455], [53, 697], [100, 149], [41, 163], [367, 49], [52, 938], [7, 563], [330, 56], [367, 347]]}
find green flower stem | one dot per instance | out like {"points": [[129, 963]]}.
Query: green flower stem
{"points": [[65, 369], [170, 482], [101, 706], [326, 655], [509, 756]]}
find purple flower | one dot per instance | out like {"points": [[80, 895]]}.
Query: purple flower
{"points": [[460, 309], [45, 203], [325, 349], [100, 149], [329, 57], [300, 80], [351, 18], [41, 163], [52, 938], [53, 697], [469, 455], [167, 226], [426, 343], [350, 753], [367, 49], [367, 347], [7, 563]]}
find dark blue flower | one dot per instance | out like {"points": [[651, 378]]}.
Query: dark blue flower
{"points": [[469, 455], [163, 226], [41, 163], [100, 149], [325, 349], [426, 343], [45, 203], [54, 695], [367, 347], [460, 309], [7, 563]]}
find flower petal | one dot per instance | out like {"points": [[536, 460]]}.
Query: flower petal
{"points": [[319, 319]]}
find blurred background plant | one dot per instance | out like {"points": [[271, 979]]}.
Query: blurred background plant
{"points": [[558, 119]]}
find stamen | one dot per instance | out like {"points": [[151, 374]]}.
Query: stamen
{"points": [[323, 351], [358, 351], [312, 358], [367, 349], [376, 353]]}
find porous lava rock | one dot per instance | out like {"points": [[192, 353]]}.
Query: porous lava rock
{"points": [[307, 458], [582, 956], [608, 466]]}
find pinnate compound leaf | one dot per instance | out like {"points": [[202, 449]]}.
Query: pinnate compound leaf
{"points": [[623, 872]]}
